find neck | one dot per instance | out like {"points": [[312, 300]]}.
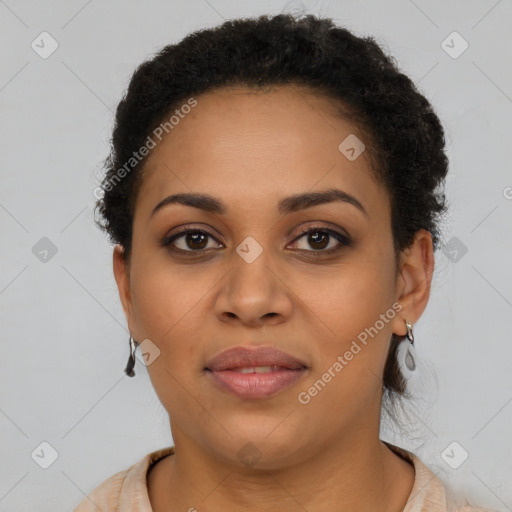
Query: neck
{"points": [[360, 474]]}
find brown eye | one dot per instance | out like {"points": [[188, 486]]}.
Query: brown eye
{"points": [[320, 238], [194, 240]]}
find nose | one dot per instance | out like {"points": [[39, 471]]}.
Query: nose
{"points": [[254, 293]]}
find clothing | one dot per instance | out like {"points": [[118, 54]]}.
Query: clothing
{"points": [[127, 490]]}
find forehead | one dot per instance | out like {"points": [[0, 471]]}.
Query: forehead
{"points": [[244, 145]]}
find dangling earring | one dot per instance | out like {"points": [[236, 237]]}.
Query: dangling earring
{"points": [[131, 360], [406, 354]]}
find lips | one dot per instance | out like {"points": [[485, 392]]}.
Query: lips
{"points": [[255, 373], [245, 357]]}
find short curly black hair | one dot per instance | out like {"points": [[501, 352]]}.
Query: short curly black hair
{"points": [[404, 135]]}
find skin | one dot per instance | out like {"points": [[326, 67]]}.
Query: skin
{"points": [[250, 150]]}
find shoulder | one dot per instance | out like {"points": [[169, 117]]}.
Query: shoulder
{"points": [[469, 508], [430, 492], [125, 490], [106, 496]]}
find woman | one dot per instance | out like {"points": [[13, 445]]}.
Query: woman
{"points": [[272, 192]]}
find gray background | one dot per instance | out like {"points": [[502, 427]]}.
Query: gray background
{"points": [[64, 337]]}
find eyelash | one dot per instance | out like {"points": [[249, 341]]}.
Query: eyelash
{"points": [[343, 239]]}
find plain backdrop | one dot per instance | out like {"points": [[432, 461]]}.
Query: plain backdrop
{"points": [[65, 402]]}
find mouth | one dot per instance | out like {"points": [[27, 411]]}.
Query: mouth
{"points": [[256, 382], [255, 373]]}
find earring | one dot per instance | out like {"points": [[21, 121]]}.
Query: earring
{"points": [[131, 360], [406, 354]]}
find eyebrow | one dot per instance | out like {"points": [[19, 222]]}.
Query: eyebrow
{"points": [[287, 205]]}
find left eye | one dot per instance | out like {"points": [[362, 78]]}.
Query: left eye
{"points": [[319, 239]]}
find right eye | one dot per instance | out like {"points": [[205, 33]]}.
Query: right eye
{"points": [[193, 241]]}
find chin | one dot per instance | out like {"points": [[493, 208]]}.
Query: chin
{"points": [[254, 448]]}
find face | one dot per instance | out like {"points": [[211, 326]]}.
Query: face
{"points": [[305, 280]]}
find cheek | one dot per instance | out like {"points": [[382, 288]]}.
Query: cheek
{"points": [[165, 296], [349, 309], [168, 308], [350, 298]]}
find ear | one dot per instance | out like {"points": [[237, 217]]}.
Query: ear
{"points": [[413, 281], [122, 276]]}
